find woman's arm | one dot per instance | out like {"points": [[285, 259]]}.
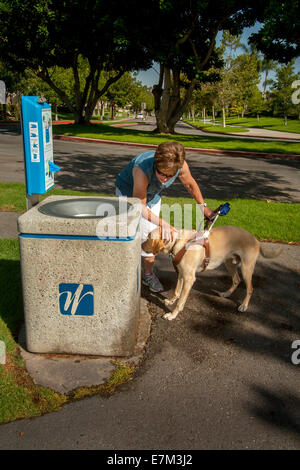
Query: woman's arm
{"points": [[191, 185], [140, 185]]}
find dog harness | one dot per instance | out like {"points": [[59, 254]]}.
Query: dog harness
{"points": [[203, 240]]}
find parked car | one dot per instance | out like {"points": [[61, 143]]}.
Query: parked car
{"points": [[140, 116]]}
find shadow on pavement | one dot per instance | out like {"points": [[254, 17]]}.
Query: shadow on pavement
{"points": [[86, 172], [279, 408], [211, 331], [267, 328]]}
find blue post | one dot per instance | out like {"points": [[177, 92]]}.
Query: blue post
{"points": [[38, 148]]}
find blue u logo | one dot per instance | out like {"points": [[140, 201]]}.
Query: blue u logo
{"points": [[76, 299]]}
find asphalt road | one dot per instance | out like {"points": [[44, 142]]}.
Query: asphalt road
{"points": [[94, 167], [213, 378]]}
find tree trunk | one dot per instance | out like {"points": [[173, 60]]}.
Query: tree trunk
{"points": [[78, 118], [162, 106], [181, 107], [112, 110], [85, 102], [4, 111], [223, 116], [213, 115], [193, 113], [169, 106], [102, 110]]}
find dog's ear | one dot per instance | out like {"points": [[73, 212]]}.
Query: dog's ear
{"points": [[157, 241], [157, 246], [153, 237], [153, 246], [154, 243]]}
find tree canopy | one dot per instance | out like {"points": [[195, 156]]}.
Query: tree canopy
{"points": [[89, 37], [183, 41], [279, 36], [45, 33]]}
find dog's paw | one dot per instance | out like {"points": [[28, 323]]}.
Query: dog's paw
{"points": [[169, 316], [242, 308]]}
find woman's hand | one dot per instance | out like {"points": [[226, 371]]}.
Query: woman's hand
{"points": [[209, 214], [167, 231]]}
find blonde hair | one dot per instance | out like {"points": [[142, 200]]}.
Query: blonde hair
{"points": [[169, 156]]}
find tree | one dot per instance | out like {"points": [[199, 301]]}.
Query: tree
{"points": [[266, 66], [75, 35], [282, 90], [12, 82], [31, 84], [226, 88], [183, 40], [142, 95], [256, 103], [245, 76], [279, 38], [120, 93]]}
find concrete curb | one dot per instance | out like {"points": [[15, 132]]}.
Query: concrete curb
{"points": [[238, 153]]}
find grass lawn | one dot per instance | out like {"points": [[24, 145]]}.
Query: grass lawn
{"points": [[70, 117], [266, 220], [19, 396], [272, 123], [217, 128], [12, 196], [107, 132]]}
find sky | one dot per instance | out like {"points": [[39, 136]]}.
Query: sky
{"points": [[150, 77]]}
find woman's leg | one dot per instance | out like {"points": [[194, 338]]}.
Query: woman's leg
{"points": [[148, 277]]}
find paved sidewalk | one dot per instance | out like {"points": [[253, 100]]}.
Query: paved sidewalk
{"points": [[8, 224]]}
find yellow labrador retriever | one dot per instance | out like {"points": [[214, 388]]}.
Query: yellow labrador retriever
{"points": [[227, 244]]}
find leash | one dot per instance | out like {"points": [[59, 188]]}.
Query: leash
{"points": [[222, 210]]}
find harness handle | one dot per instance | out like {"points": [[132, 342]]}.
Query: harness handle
{"points": [[222, 210]]}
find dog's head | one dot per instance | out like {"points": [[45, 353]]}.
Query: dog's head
{"points": [[155, 243]]}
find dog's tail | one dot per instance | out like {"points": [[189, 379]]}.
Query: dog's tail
{"points": [[270, 253]]}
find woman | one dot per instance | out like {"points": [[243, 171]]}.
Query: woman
{"points": [[145, 177]]}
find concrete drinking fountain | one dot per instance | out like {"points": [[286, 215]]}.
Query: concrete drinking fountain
{"points": [[80, 266], [80, 257], [81, 275]]}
